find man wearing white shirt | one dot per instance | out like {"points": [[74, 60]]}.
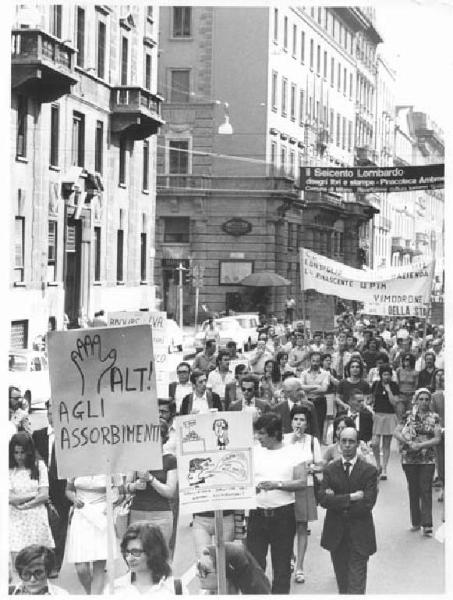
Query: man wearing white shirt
{"points": [[221, 376], [315, 382], [44, 440]]}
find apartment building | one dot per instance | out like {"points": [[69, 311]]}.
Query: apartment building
{"points": [[84, 114], [289, 82]]}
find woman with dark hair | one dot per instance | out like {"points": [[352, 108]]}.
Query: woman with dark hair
{"points": [[28, 494], [34, 565], [147, 556], [310, 462], [385, 393], [268, 383], [243, 573], [419, 435], [407, 377], [370, 353], [353, 382]]}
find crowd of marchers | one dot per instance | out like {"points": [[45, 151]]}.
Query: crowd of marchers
{"points": [[325, 409]]}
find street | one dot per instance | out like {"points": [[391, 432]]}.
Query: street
{"points": [[399, 550]]}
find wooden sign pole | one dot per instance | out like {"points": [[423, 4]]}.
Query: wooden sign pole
{"points": [[220, 554], [110, 531]]}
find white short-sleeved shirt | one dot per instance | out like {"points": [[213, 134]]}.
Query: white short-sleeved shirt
{"points": [[304, 452], [275, 465]]}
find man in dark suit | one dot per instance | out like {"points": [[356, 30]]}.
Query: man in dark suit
{"points": [[361, 416], [249, 402], [201, 400], [294, 394], [45, 446], [348, 492], [177, 390]]}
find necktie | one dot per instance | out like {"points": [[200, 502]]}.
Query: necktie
{"points": [[347, 468]]}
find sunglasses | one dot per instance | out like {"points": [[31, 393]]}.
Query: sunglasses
{"points": [[136, 552], [248, 389], [38, 574]]}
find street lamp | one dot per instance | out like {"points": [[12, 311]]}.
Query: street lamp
{"points": [[225, 128]]}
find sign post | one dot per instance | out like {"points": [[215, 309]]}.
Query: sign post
{"points": [[110, 531], [220, 554]]}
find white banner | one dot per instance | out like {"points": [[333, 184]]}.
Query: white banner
{"points": [[215, 461], [158, 322], [398, 291]]}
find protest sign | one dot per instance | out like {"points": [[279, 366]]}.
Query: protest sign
{"points": [[215, 461], [372, 179], [401, 291], [158, 322], [104, 401]]}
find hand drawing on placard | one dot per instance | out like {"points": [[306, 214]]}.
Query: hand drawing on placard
{"points": [[90, 364]]}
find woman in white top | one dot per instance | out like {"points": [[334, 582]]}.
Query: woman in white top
{"points": [[305, 502], [144, 549]]}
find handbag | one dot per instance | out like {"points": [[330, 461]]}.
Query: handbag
{"points": [[316, 482]]}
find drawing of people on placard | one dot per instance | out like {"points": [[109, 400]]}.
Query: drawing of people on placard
{"points": [[220, 428], [199, 470]]}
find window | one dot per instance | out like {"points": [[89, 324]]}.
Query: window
{"points": [[301, 107], [55, 19], [302, 46], [178, 156], [317, 110], [19, 335], [319, 15], [99, 147], [334, 23], [345, 81], [80, 36], [294, 40], [122, 162], [340, 33], [97, 254], [22, 114], [78, 139], [350, 85], [101, 45], [338, 131], [124, 59], [143, 257], [145, 182], [180, 85], [283, 159], [318, 59], [311, 53], [275, 24], [176, 230], [273, 154], [119, 255], [339, 78], [343, 136], [52, 245], [19, 248], [332, 125], [350, 136], [274, 90], [292, 163], [293, 102], [182, 21], [325, 65], [285, 33], [147, 71], [284, 96], [54, 134], [309, 108]]}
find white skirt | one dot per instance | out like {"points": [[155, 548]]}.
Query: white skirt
{"points": [[87, 535]]}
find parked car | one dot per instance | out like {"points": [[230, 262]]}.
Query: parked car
{"points": [[175, 336], [28, 370], [228, 330], [249, 323]]}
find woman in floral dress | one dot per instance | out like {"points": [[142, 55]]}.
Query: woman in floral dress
{"points": [[28, 494], [419, 434]]}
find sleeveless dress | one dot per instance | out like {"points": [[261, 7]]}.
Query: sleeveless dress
{"points": [[29, 526], [87, 536]]}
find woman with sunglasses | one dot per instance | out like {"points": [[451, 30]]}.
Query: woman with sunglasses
{"points": [[34, 564], [146, 554], [28, 494], [243, 573]]}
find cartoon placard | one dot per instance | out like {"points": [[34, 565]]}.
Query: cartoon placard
{"points": [[215, 461]]}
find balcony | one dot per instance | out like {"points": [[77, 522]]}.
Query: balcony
{"points": [[42, 66], [136, 112], [365, 156], [398, 244]]}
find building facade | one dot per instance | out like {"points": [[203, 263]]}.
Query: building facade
{"points": [[289, 82], [84, 114]]}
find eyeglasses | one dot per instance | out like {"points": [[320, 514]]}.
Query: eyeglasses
{"points": [[136, 552], [248, 389], [38, 574]]}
